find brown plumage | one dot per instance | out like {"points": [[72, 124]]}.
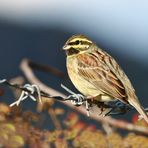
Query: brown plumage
{"points": [[96, 74]]}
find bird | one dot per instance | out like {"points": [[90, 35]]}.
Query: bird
{"points": [[96, 74]]}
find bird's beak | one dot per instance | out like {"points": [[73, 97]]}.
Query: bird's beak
{"points": [[65, 47]]}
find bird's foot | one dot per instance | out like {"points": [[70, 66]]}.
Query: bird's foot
{"points": [[102, 107]]}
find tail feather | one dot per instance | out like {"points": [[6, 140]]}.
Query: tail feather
{"points": [[139, 108]]}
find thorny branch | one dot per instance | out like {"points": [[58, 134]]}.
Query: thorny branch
{"points": [[47, 92]]}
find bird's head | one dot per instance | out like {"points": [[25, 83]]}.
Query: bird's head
{"points": [[77, 44]]}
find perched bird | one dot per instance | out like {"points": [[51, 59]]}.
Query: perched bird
{"points": [[96, 74]]}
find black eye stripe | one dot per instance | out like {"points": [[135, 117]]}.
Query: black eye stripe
{"points": [[77, 42], [74, 43], [72, 51], [71, 43]]}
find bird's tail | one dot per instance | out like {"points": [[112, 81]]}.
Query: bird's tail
{"points": [[136, 104]]}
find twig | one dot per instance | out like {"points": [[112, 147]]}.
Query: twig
{"points": [[46, 68], [107, 128], [114, 122], [54, 119]]}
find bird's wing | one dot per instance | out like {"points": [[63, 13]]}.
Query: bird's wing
{"points": [[101, 76]]}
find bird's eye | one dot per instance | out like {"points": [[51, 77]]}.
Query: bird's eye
{"points": [[77, 42]]}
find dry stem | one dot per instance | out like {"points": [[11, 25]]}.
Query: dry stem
{"points": [[27, 70]]}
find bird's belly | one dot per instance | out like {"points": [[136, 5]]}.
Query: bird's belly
{"points": [[88, 89], [84, 86]]}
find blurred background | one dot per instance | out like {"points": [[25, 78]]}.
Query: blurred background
{"points": [[37, 29]]}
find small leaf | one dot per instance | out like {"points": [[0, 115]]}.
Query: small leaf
{"points": [[10, 127], [17, 140], [4, 109], [4, 136], [59, 111]]}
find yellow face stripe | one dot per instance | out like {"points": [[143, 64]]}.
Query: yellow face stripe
{"points": [[81, 39], [80, 46]]}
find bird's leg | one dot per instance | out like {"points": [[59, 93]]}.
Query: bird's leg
{"points": [[101, 106], [96, 100], [109, 113], [116, 108], [104, 106]]}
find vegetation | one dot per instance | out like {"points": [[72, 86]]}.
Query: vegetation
{"points": [[24, 128]]}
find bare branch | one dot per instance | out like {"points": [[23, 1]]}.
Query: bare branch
{"points": [[25, 67]]}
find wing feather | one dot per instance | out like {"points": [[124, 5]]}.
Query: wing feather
{"points": [[101, 75]]}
